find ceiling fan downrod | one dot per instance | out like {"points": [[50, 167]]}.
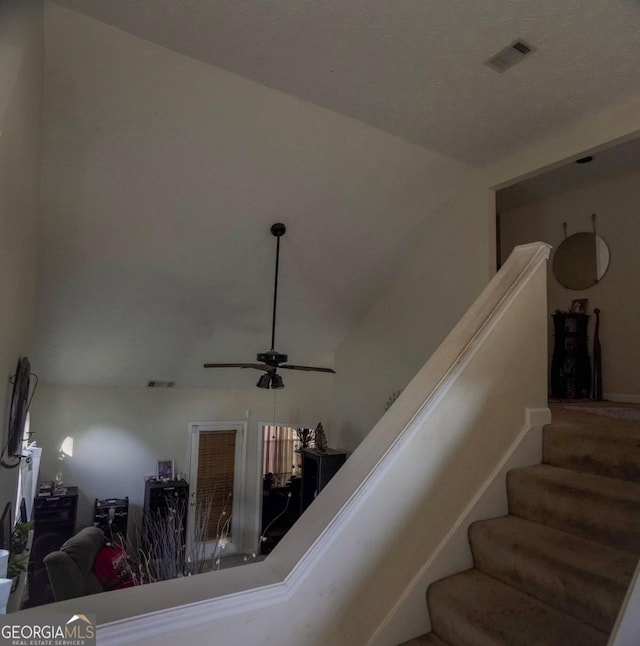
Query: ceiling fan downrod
{"points": [[278, 230]]}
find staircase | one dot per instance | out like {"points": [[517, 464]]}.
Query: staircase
{"points": [[556, 569]]}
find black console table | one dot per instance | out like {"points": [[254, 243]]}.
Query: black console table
{"points": [[162, 499], [54, 522], [570, 364], [318, 468]]}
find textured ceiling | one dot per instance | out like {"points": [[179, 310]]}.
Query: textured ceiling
{"points": [[412, 68]]}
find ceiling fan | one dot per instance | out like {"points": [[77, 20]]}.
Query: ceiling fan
{"points": [[272, 360]]}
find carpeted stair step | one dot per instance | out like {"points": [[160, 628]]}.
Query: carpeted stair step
{"points": [[612, 452], [605, 510], [473, 609], [582, 578], [430, 639]]}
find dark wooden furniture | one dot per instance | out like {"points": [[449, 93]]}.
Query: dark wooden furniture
{"points": [[570, 364], [280, 510], [54, 522], [111, 516], [317, 469], [162, 499], [282, 506]]}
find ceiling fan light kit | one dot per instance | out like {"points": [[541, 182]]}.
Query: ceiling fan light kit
{"points": [[276, 381], [264, 381], [272, 360]]}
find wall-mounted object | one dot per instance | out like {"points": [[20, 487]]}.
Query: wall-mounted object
{"points": [[582, 259], [20, 402]]}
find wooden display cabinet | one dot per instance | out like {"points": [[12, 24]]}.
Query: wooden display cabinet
{"points": [[570, 365]]}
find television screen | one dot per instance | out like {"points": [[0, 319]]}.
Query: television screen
{"points": [[19, 406]]}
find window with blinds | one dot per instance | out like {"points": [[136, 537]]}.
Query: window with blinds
{"points": [[281, 457], [216, 458]]}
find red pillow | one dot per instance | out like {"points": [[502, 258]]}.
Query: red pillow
{"points": [[110, 568]]}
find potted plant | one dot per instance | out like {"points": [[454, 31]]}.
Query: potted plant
{"points": [[19, 557]]}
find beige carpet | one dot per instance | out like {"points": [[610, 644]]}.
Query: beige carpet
{"points": [[617, 412], [554, 571]]}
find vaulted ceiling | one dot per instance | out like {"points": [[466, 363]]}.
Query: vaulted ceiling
{"points": [[412, 68], [163, 173]]}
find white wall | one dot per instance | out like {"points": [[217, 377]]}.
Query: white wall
{"points": [[447, 265], [161, 177], [20, 102], [119, 433], [615, 202], [141, 143], [626, 632]]}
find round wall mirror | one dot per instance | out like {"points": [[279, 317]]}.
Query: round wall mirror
{"points": [[581, 260]]}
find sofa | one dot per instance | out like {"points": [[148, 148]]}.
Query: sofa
{"points": [[70, 568]]}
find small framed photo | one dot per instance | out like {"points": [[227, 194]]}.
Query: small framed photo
{"points": [[579, 305], [165, 470]]}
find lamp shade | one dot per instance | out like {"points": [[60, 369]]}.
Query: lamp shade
{"points": [[66, 448], [264, 381], [276, 382]]}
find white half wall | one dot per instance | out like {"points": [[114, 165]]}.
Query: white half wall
{"points": [[21, 61], [626, 632]]}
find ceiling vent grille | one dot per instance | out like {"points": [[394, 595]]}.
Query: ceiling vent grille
{"points": [[510, 56], [157, 383]]}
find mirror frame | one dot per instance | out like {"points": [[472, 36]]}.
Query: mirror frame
{"points": [[579, 263]]}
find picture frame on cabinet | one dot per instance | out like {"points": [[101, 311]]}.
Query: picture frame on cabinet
{"points": [[579, 305], [165, 469]]}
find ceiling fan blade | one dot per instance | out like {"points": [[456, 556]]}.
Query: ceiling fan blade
{"points": [[256, 366], [307, 368]]}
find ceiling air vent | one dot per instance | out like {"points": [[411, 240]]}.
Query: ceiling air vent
{"points": [[510, 56], [157, 383]]}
